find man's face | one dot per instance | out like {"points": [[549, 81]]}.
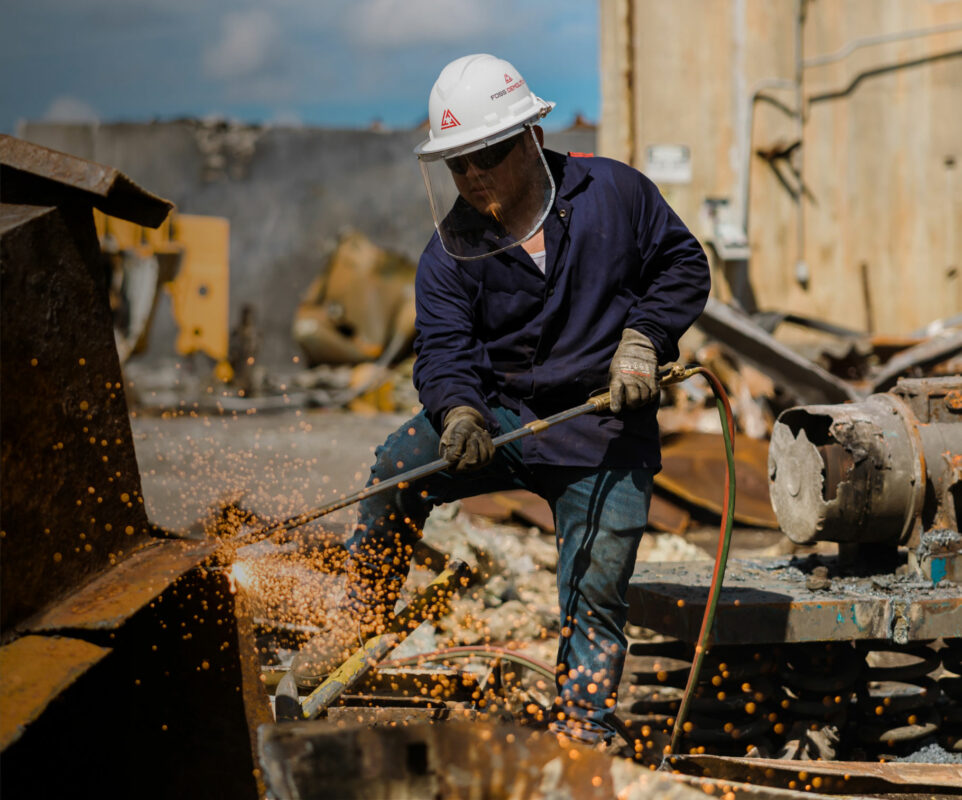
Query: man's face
{"points": [[493, 180], [481, 201]]}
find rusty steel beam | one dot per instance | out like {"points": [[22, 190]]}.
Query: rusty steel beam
{"points": [[161, 665], [770, 601], [37, 175], [308, 760], [833, 777], [114, 596], [36, 670], [172, 689], [72, 503], [432, 602], [398, 682]]}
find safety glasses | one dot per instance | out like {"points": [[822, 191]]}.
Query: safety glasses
{"points": [[486, 158]]}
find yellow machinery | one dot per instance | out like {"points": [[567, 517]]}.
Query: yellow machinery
{"points": [[188, 255]]}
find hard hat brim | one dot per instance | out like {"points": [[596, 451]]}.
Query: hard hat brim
{"points": [[451, 146]]}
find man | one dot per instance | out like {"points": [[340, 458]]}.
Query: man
{"points": [[548, 277]]}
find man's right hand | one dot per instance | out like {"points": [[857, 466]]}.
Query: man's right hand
{"points": [[464, 442]]}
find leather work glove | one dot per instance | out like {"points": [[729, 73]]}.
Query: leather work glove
{"points": [[633, 374], [464, 441]]}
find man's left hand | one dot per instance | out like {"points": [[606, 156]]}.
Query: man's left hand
{"points": [[633, 374]]}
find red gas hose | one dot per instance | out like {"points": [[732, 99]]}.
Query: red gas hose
{"points": [[721, 556]]}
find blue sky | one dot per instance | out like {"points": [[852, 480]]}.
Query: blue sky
{"points": [[340, 63]]}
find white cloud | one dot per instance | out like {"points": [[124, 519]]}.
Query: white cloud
{"points": [[403, 23], [70, 109], [248, 42]]}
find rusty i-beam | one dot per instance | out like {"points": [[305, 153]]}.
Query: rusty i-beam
{"points": [[120, 655]]}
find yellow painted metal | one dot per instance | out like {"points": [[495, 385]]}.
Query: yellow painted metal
{"points": [[223, 371], [380, 394], [34, 670], [200, 292]]}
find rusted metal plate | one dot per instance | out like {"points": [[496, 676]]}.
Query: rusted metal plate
{"points": [[491, 506], [535, 510], [765, 602], [12, 216], [694, 467], [519, 503], [33, 671], [664, 515], [168, 693], [72, 501], [34, 174], [321, 760], [114, 596], [834, 777]]}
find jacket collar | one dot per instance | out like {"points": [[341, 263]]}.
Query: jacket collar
{"points": [[570, 175]]}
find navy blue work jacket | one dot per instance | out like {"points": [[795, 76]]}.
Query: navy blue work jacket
{"points": [[497, 331]]}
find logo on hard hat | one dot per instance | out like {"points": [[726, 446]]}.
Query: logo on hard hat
{"points": [[507, 89], [448, 120]]}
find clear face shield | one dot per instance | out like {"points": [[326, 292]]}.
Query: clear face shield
{"points": [[488, 199]]}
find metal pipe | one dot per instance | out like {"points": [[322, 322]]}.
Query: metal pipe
{"points": [[801, 267], [757, 89], [885, 38], [598, 403]]}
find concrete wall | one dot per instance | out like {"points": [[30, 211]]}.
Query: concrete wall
{"points": [[287, 192], [868, 207]]}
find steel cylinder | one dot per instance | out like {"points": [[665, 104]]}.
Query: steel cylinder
{"points": [[876, 471]]}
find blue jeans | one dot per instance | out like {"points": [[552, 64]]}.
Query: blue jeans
{"points": [[600, 515]]}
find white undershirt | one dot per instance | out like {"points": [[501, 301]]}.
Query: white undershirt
{"points": [[539, 260]]}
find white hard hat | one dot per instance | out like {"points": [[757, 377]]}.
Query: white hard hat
{"points": [[478, 100]]}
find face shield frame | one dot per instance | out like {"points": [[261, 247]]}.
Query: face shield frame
{"points": [[485, 209]]}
